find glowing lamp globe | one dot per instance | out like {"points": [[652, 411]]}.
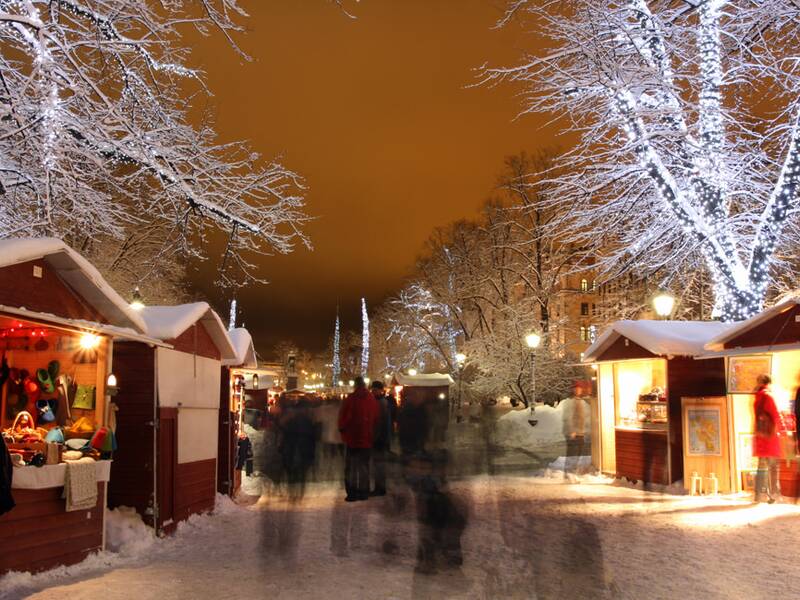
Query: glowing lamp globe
{"points": [[461, 358], [663, 303], [412, 372], [533, 340]]}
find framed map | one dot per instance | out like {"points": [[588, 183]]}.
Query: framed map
{"points": [[743, 372], [703, 431]]}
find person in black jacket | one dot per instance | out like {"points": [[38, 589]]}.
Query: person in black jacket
{"points": [[382, 438], [6, 476]]}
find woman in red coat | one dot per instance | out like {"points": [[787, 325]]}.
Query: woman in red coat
{"points": [[766, 443]]}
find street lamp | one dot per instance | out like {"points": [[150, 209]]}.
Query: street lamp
{"points": [[663, 303], [533, 340], [412, 372], [137, 303]]}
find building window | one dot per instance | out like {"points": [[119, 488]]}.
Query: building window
{"points": [[584, 309], [584, 334], [584, 285], [594, 309]]}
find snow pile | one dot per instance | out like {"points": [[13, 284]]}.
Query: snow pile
{"points": [[242, 343], [168, 322], [514, 431], [126, 533]]}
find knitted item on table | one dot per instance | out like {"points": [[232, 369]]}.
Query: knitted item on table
{"points": [[80, 484]]}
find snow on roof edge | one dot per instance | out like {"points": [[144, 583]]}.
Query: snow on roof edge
{"points": [[737, 329], [243, 347], [17, 250], [169, 322]]}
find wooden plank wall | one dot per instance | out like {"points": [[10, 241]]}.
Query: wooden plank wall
{"points": [[689, 377], [132, 470], [195, 488], [48, 294], [38, 534], [226, 450], [196, 340], [642, 455]]}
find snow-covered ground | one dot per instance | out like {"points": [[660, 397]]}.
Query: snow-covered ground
{"points": [[526, 537]]}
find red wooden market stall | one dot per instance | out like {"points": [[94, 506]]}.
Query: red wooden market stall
{"points": [[647, 381], [768, 343], [170, 415], [237, 372], [58, 320]]}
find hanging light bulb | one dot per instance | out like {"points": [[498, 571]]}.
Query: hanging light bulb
{"points": [[137, 303]]}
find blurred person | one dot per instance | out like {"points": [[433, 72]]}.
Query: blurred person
{"points": [[766, 443], [383, 437], [574, 426], [331, 446], [297, 445], [358, 418]]}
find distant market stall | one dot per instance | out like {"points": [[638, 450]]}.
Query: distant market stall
{"points": [[431, 390], [58, 320], [768, 343], [169, 415], [237, 372], [659, 411]]}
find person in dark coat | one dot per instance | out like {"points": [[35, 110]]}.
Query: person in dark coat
{"points": [[6, 477], [358, 418], [298, 447], [766, 443], [383, 437]]}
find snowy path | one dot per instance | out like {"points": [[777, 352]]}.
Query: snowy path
{"points": [[525, 538]]}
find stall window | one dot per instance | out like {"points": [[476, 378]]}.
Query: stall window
{"points": [[641, 393]]}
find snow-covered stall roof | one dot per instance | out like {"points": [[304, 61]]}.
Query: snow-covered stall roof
{"points": [[75, 271], [737, 329], [662, 338], [242, 343], [424, 380], [169, 322]]}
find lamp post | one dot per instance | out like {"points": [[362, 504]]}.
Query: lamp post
{"points": [[461, 359], [533, 340], [664, 303]]}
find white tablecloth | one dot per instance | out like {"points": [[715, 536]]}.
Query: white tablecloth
{"points": [[51, 476]]}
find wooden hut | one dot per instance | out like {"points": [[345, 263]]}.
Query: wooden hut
{"points": [[56, 313], [236, 372], [645, 370], [168, 415], [768, 343]]}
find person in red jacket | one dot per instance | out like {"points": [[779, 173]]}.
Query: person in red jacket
{"points": [[766, 443], [358, 418]]}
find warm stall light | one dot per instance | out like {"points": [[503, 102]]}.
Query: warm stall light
{"points": [[111, 381], [255, 381], [442, 396], [412, 372], [351, 383], [664, 303], [89, 341], [137, 303]]}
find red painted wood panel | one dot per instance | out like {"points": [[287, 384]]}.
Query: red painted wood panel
{"points": [[196, 340], [619, 350], [39, 534], [167, 462], [195, 488], [642, 456], [780, 329], [226, 441], [48, 294], [132, 470]]}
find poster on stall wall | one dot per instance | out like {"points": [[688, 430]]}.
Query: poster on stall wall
{"points": [[743, 372], [703, 431]]}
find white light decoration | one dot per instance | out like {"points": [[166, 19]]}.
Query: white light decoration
{"points": [[232, 316], [664, 303], [337, 362], [533, 340], [364, 337], [671, 166], [89, 341]]}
